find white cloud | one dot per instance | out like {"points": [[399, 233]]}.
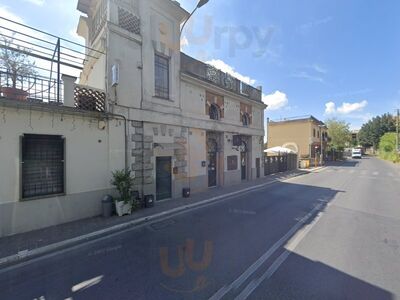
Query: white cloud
{"points": [[319, 69], [184, 42], [346, 108], [36, 2], [305, 75], [5, 13], [308, 26], [219, 64], [330, 108], [276, 100]]}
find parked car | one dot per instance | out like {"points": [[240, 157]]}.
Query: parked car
{"points": [[356, 153]]}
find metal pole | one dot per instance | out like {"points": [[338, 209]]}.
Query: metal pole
{"points": [[58, 70]]}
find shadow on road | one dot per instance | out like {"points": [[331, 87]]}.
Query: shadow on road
{"points": [[197, 254], [302, 278]]}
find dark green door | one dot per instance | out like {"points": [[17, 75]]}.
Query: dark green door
{"points": [[163, 178]]}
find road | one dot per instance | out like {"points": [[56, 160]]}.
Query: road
{"points": [[333, 234]]}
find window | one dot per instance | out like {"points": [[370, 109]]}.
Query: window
{"points": [[318, 134], [161, 76], [214, 112], [43, 164], [314, 132], [246, 119]]}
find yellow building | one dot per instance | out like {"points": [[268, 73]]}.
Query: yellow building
{"points": [[304, 135]]}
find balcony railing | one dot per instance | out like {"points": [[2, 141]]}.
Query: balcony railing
{"points": [[32, 88], [214, 76]]}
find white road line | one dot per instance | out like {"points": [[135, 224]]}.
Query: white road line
{"points": [[259, 262], [375, 173], [291, 246]]}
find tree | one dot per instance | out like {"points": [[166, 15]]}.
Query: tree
{"points": [[16, 62], [339, 134], [372, 131], [387, 146]]}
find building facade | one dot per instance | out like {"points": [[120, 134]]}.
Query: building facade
{"points": [[184, 114], [139, 103], [304, 135]]}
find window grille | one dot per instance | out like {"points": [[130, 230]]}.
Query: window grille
{"points": [[128, 21], [161, 76], [246, 119], [42, 165], [214, 112]]}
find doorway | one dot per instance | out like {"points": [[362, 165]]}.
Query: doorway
{"points": [[163, 178], [258, 167], [243, 165]]}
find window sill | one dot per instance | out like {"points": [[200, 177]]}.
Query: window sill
{"points": [[162, 98], [42, 197]]}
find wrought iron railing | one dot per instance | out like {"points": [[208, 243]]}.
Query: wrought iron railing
{"points": [[212, 75], [32, 88]]}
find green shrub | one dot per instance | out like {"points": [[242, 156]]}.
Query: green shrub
{"points": [[387, 147], [123, 181]]}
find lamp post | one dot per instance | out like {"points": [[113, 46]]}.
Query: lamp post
{"points": [[199, 5]]}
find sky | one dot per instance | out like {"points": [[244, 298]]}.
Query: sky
{"points": [[331, 59]]}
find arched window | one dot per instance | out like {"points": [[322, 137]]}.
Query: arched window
{"points": [[215, 113], [246, 119]]}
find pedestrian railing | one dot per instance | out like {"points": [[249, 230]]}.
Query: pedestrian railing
{"points": [[279, 163]]}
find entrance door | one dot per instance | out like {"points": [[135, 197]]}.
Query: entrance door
{"points": [[163, 178], [243, 164], [212, 169], [258, 167]]}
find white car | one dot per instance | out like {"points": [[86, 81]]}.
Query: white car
{"points": [[356, 153]]}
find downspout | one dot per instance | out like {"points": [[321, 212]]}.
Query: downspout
{"points": [[126, 136]]}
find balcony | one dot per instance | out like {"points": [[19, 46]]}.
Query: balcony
{"points": [[218, 78], [33, 65]]}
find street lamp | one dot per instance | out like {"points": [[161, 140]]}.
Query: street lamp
{"points": [[199, 5]]}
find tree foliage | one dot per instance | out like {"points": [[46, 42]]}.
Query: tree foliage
{"points": [[16, 62], [372, 131], [339, 134], [387, 146]]}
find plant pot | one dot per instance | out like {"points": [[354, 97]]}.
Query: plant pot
{"points": [[14, 93], [123, 208]]}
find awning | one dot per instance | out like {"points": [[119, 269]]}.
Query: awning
{"points": [[168, 146], [282, 150]]}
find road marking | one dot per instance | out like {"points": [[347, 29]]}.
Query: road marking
{"points": [[375, 173], [43, 253], [291, 246], [259, 262]]}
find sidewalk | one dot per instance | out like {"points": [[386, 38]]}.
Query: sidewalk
{"points": [[26, 244]]}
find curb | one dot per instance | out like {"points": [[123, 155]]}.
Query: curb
{"points": [[30, 254]]}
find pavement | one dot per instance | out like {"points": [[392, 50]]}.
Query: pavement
{"points": [[23, 246], [331, 234]]}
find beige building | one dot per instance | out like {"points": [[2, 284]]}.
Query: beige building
{"points": [[142, 104], [304, 135]]}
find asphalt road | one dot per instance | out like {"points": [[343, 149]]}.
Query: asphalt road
{"points": [[334, 234]]}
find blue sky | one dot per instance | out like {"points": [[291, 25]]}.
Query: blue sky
{"points": [[327, 58]]}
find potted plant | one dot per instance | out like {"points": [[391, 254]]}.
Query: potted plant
{"points": [[123, 181], [17, 65]]}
